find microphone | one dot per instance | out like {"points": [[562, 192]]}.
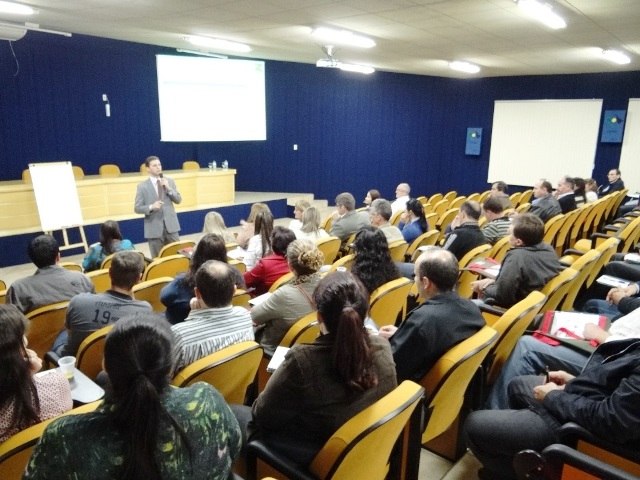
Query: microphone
{"points": [[161, 176]]}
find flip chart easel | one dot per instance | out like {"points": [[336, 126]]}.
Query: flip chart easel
{"points": [[57, 199]]}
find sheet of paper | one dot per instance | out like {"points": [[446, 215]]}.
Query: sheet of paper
{"points": [[277, 359]]}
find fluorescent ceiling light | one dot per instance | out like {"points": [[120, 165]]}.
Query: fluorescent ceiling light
{"points": [[203, 54], [343, 37], [543, 12], [347, 67], [616, 56], [218, 43], [15, 8], [465, 67]]}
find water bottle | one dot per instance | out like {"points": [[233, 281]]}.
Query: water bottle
{"points": [[225, 165], [214, 165], [210, 166]]}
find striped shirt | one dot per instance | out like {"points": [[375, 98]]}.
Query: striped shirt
{"points": [[208, 330]]}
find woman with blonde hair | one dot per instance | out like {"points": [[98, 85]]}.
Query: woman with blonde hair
{"points": [[310, 228], [214, 223], [299, 208], [248, 226], [291, 301]]}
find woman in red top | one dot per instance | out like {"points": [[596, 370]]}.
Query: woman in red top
{"points": [[271, 267]]}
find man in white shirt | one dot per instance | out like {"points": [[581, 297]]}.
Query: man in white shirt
{"points": [[402, 197]]}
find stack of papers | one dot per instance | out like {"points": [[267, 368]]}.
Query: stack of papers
{"points": [[611, 281]]}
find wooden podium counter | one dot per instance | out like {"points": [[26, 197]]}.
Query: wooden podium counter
{"points": [[112, 198]]}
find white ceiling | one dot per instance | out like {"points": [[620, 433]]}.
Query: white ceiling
{"points": [[412, 36]]}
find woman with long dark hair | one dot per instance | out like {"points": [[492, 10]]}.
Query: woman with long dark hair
{"points": [[373, 264], [177, 294], [260, 244], [144, 429], [26, 397], [111, 241], [413, 222], [272, 266], [321, 385]]}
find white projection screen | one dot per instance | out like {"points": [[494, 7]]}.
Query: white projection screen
{"points": [[206, 99], [630, 154], [534, 139]]}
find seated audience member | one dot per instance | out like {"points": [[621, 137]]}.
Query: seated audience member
{"points": [[248, 227], [531, 356], [497, 226], [260, 244], [564, 194], [499, 191], [603, 399], [442, 321], [26, 397], [145, 429], [528, 265], [111, 241], [177, 294], [321, 385], [591, 190], [214, 223], [380, 214], [413, 222], [619, 300], [272, 266], [298, 210], [544, 204], [347, 220], [614, 184], [402, 197], [51, 283], [213, 322], [291, 301], [370, 197], [88, 312], [311, 226], [465, 234], [373, 265], [579, 192]]}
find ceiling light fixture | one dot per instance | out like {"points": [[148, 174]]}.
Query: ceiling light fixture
{"points": [[342, 37], [616, 56], [15, 8], [202, 54], [465, 67], [218, 43], [543, 12], [33, 27], [332, 62]]}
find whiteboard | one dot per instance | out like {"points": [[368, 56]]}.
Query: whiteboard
{"points": [[56, 195], [631, 147], [533, 139]]}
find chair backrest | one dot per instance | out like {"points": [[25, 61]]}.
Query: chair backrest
{"points": [[523, 207], [456, 202], [16, 451], [149, 291], [190, 165], [175, 247], [100, 279], [445, 384], [441, 207], [466, 277], [109, 170], [106, 263], [584, 266], [481, 251], [510, 327], [526, 196], [500, 249], [3, 296], [362, 447], [241, 299], [445, 219], [579, 223], [26, 176], [286, 278], [563, 234], [427, 238], [388, 300], [241, 266], [607, 249], [91, 352], [397, 250], [3, 285], [166, 267], [230, 370], [74, 267], [346, 262], [304, 330], [395, 218], [556, 288], [515, 198], [450, 195], [629, 235], [327, 223], [329, 246], [551, 228], [45, 323], [78, 173], [435, 198]]}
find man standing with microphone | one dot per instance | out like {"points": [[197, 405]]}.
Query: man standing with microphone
{"points": [[154, 199]]}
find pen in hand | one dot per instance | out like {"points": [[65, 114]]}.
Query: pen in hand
{"points": [[546, 374]]}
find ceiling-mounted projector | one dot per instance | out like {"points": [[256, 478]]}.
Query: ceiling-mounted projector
{"points": [[11, 33], [332, 62]]}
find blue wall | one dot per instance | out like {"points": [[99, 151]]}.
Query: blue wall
{"points": [[354, 132]]}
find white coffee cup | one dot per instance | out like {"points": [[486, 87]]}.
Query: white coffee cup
{"points": [[67, 366]]}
